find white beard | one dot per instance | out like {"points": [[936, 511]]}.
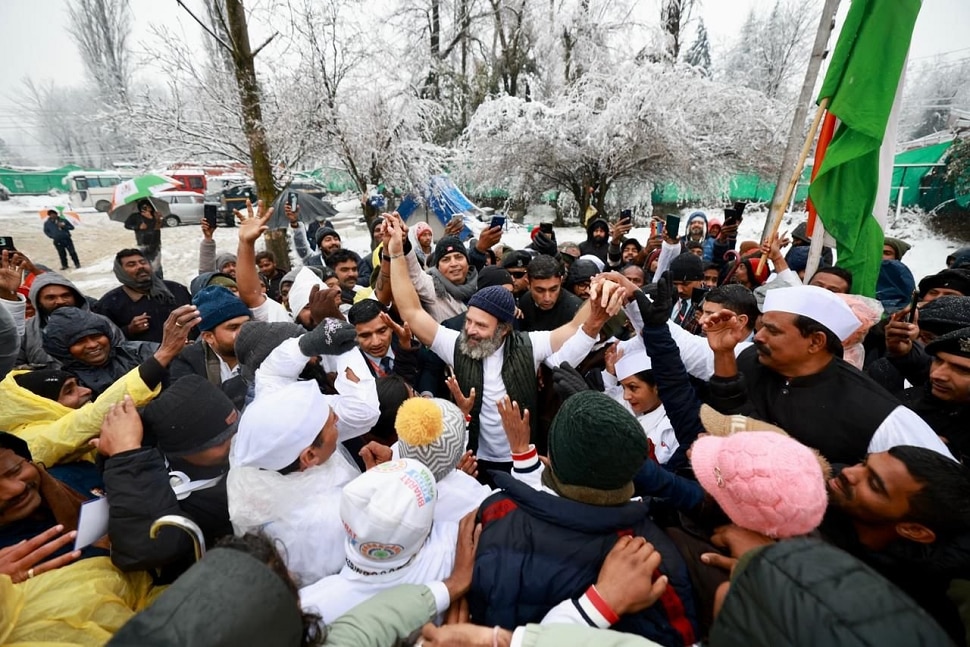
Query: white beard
{"points": [[484, 348]]}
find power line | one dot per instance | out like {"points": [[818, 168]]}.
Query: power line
{"points": [[952, 51]]}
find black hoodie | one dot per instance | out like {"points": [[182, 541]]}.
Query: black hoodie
{"points": [[600, 249]]}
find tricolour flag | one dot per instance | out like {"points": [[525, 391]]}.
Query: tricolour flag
{"points": [[861, 84]]}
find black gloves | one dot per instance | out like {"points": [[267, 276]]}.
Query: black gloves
{"points": [[330, 337], [656, 311], [567, 381], [545, 244]]}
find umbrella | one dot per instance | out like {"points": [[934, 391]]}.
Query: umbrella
{"points": [[311, 208], [143, 186], [121, 213], [63, 213]]}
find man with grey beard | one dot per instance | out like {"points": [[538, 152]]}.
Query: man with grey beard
{"points": [[489, 357]]}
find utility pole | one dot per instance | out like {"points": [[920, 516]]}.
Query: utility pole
{"points": [[796, 134]]}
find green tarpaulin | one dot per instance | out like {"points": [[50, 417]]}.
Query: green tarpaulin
{"points": [[36, 182], [910, 169]]}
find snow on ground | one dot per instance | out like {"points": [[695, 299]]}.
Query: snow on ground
{"points": [[97, 239]]}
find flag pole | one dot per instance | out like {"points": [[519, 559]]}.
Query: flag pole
{"points": [[824, 137], [779, 205], [826, 23], [815, 230]]}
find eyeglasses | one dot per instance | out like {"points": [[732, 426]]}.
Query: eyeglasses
{"points": [[517, 275]]}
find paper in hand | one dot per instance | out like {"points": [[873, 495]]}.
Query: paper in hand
{"points": [[92, 524]]}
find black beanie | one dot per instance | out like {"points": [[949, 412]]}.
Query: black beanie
{"points": [[257, 339], [954, 279], [189, 416], [47, 383], [447, 245], [580, 272], [945, 314], [595, 448], [325, 231], [16, 444], [687, 267], [493, 275], [956, 342]]}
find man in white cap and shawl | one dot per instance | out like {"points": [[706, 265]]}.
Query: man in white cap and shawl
{"points": [[794, 376], [287, 470], [390, 538]]}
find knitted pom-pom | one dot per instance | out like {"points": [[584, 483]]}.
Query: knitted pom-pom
{"points": [[418, 421]]}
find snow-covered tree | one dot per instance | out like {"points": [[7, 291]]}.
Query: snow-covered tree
{"points": [[624, 129], [60, 117], [772, 50], [699, 54], [674, 16], [933, 88], [100, 28]]}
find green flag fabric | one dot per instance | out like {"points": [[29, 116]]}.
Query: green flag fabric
{"points": [[861, 83]]}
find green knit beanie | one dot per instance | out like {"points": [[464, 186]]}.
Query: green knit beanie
{"points": [[595, 448]]}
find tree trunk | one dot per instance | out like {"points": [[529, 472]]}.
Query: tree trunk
{"points": [[465, 85], [244, 67]]}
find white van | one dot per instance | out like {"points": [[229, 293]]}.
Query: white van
{"points": [[93, 188]]}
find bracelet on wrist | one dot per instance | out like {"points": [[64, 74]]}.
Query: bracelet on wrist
{"points": [[393, 256]]}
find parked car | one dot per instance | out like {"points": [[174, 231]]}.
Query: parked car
{"points": [[234, 197], [188, 207], [306, 186], [4, 193]]}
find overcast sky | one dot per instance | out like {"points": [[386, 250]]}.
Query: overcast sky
{"points": [[35, 43]]}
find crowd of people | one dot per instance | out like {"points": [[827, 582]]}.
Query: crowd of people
{"points": [[453, 442]]}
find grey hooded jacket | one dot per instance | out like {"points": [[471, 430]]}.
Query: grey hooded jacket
{"points": [[32, 345]]}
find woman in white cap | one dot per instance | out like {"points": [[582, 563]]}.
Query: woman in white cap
{"points": [[629, 380]]}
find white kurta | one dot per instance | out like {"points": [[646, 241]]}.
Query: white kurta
{"points": [[333, 596]]}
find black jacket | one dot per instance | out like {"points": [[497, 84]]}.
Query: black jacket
{"points": [[138, 490], [835, 411], [199, 359], [599, 249], [560, 314], [948, 419], [537, 549], [805, 593]]}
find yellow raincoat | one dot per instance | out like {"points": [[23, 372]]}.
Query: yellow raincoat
{"points": [[55, 433], [83, 603]]}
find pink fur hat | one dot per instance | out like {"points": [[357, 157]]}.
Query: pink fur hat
{"points": [[763, 481]]}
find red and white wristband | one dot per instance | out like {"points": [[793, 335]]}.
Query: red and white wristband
{"points": [[596, 610]]}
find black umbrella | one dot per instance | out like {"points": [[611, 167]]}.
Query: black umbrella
{"points": [[310, 209]]}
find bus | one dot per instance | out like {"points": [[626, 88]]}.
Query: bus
{"points": [[93, 188]]}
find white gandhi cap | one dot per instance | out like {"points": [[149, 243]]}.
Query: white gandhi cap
{"points": [[816, 303]]}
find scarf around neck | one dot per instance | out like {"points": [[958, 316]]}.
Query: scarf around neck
{"points": [[463, 292], [158, 290]]}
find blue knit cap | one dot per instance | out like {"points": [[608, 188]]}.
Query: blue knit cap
{"points": [[496, 301], [216, 304]]}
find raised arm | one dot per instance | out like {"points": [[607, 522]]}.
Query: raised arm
{"points": [[406, 298], [207, 250], [251, 227]]}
